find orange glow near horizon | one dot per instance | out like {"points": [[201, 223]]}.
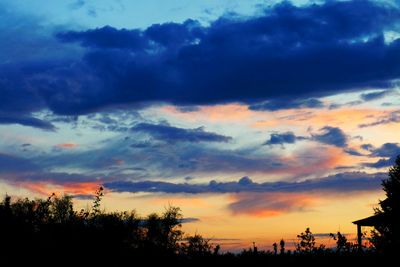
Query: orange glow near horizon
{"points": [[46, 189]]}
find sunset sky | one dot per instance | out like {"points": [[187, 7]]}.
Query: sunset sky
{"points": [[257, 118]]}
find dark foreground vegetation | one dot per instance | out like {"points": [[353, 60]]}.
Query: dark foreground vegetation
{"points": [[51, 232]]}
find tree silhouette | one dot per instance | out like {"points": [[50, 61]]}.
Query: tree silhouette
{"points": [[307, 241], [342, 244], [282, 246], [97, 199], [386, 236], [275, 247], [197, 246]]}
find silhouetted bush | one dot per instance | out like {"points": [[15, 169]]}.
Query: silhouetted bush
{"points": [[342, 245], [307, 243], [52, 227]]}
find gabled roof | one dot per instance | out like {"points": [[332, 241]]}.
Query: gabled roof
{"points": [[370, 221]]}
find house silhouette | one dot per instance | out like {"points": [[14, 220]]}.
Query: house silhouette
{"points": [[371, 221]]}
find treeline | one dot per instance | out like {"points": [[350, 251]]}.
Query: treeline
{"points": [[51, 228]]}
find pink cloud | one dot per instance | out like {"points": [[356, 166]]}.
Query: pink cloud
{"points": [[270, 204], [67, 145]]}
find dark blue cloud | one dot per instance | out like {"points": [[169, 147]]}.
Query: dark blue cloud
{"points": [[107, 37], [277, 104], [169, 133], [331, 136], [327, 135], [283, 138], [353, 152], [382, 163], [12, 164], [190, 220], [388, 152], [373, 96], [368, 147], [287, 56], [343, 182], [320, 58], [27, 121]]}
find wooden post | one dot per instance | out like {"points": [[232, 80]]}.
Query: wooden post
{"points": [[359, 236]]}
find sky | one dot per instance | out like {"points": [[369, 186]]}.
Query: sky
{"points": [[257, 118]]}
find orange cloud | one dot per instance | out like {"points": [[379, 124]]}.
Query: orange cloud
{"points": [[321, 160], [344, 117], [46, 189], [66, 145], [217, 113], [269, 204]]}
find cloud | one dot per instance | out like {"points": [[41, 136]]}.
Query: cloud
{"points": [[66, 145], [268, 205], [169, 58], [11, 163], [328, 48], [265, 199], [278, 104], [353, 152], [169, 133], [190, 220], [27, 121], [388, 152], [283, 138], [373, 96], [331, 136], [146, 157], [382, 163], [391, 117], [368, 147], [328, 135], [107, 37], [342, 182]]}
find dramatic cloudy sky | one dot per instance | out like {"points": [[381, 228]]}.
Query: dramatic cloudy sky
{"points": [[257, 118]]}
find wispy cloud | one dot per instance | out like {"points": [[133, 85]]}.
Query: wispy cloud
{"points": [[168, 133], [343, 182]]}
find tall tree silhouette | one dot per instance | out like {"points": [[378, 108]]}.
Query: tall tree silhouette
{"points": [[282, 245], [386, 236]]}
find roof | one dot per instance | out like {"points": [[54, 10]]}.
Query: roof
{"points": [[370, 221]]}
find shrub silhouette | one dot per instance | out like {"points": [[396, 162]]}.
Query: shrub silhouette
{"points": [[197, 246], [52, 226], [342, 244], [307, 243]]}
